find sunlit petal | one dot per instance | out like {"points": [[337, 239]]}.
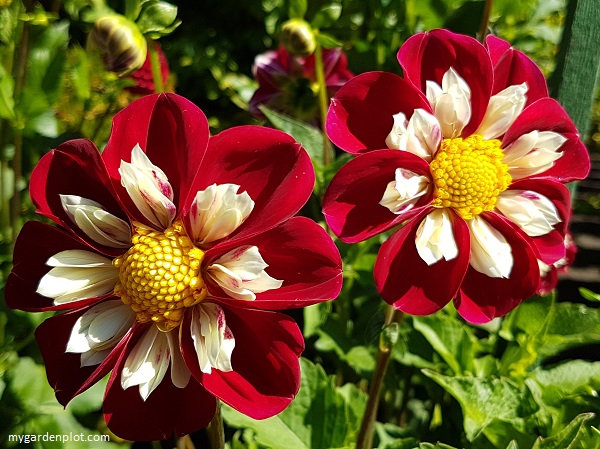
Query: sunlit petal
{"points": [[435, 237], [533, 153], [503, 109], [534, 213], [402, 194], [490, 252]]}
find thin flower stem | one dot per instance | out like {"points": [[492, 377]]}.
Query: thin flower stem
{"points": [[156, 71], [323, 102], [185, 442], [384, 352], [216, 431], [485, 20]]}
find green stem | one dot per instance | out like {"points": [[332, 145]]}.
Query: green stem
{"points": [[384, 353], [485, 20], [323, 101], [185, 442], [216, 431], [156, 71]]}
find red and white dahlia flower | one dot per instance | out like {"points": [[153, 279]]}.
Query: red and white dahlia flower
{"points": [[469, 156], [171, 249]]}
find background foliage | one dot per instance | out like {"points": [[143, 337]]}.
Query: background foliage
{"points": [[527, 381]]}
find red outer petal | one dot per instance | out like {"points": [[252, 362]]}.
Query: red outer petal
{"points": [[406, 281], [361, 114], [548, 115], [428, 56], [268, 164], [168, 410], [171, 130], [551, 247], [266, 371], [63, 369], [36, 243], [511, 67], [351, 203], [483, 298], [300, 253], [74, 168]]}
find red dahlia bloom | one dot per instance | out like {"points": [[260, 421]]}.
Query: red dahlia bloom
{"points": [[288, 83], [171, 250], [470, 155]]}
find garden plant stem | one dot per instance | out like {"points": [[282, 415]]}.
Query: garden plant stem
{"points": [[216, 431], [156, 71], [485, 20], [384, 352], [323, 101]]}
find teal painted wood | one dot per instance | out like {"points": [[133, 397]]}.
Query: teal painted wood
{"points": [[573, 82]]}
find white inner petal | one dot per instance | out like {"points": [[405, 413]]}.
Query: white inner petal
{"points": [[534, 213], [98, 224], [147, 363], [149, 189], [402, 194], [451, 103], [503, 109], [533, 153], [217, 211], [77, 274], [98, 330], [421, 135], [180, 373], [212, 339], [490, 252], [241, 273], [435, 237]]}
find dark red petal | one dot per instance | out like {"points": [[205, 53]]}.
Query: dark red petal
{"points": [[268, 164], [168, 410], [64, 370], [36, 243], [74, 168], [266, 371], [298, 252], [483, 298], [171, 130], [428, 56], [512, 67], [351, 203], [405, 280], [551, 247], [548, 115], [361, 113]]}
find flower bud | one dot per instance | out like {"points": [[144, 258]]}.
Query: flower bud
{"points": [[297, 37], [5, 3], [122, 46]]}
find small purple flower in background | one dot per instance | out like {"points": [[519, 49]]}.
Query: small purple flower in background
{"points": [[287, 83]]}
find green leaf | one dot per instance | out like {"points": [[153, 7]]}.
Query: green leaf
{"points": [[157, 18], [569, 378], [451, 339], [589, 295], [310, 137], [571, 437], [321, 416], [326, 16], [297, 9], [327, 41], [495, 408]]}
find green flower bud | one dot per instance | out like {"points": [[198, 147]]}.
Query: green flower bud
{"points": [[297, 37], [121, 44], [5, 3]]}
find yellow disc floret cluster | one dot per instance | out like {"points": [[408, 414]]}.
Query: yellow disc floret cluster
{"points": [[159, 276], [469, 175]]}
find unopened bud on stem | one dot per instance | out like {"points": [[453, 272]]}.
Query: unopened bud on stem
{"points": [[297, 37]]}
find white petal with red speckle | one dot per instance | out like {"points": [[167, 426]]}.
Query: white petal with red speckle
{"points": [[149, 189], [98, 224], [435, 238], [241, 273], [533, 153], [534, 213], [402, 194], [490, 252], [421, 135], [213, 340], [217, 211], [77, 274]]}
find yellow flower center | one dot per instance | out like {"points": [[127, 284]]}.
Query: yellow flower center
{"points": [[160, 276], [469, 175]]}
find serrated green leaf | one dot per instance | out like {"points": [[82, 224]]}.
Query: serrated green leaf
{"points": [[571, 437], [489, 406], [451, 339], [320, 416], [310, 137]]}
